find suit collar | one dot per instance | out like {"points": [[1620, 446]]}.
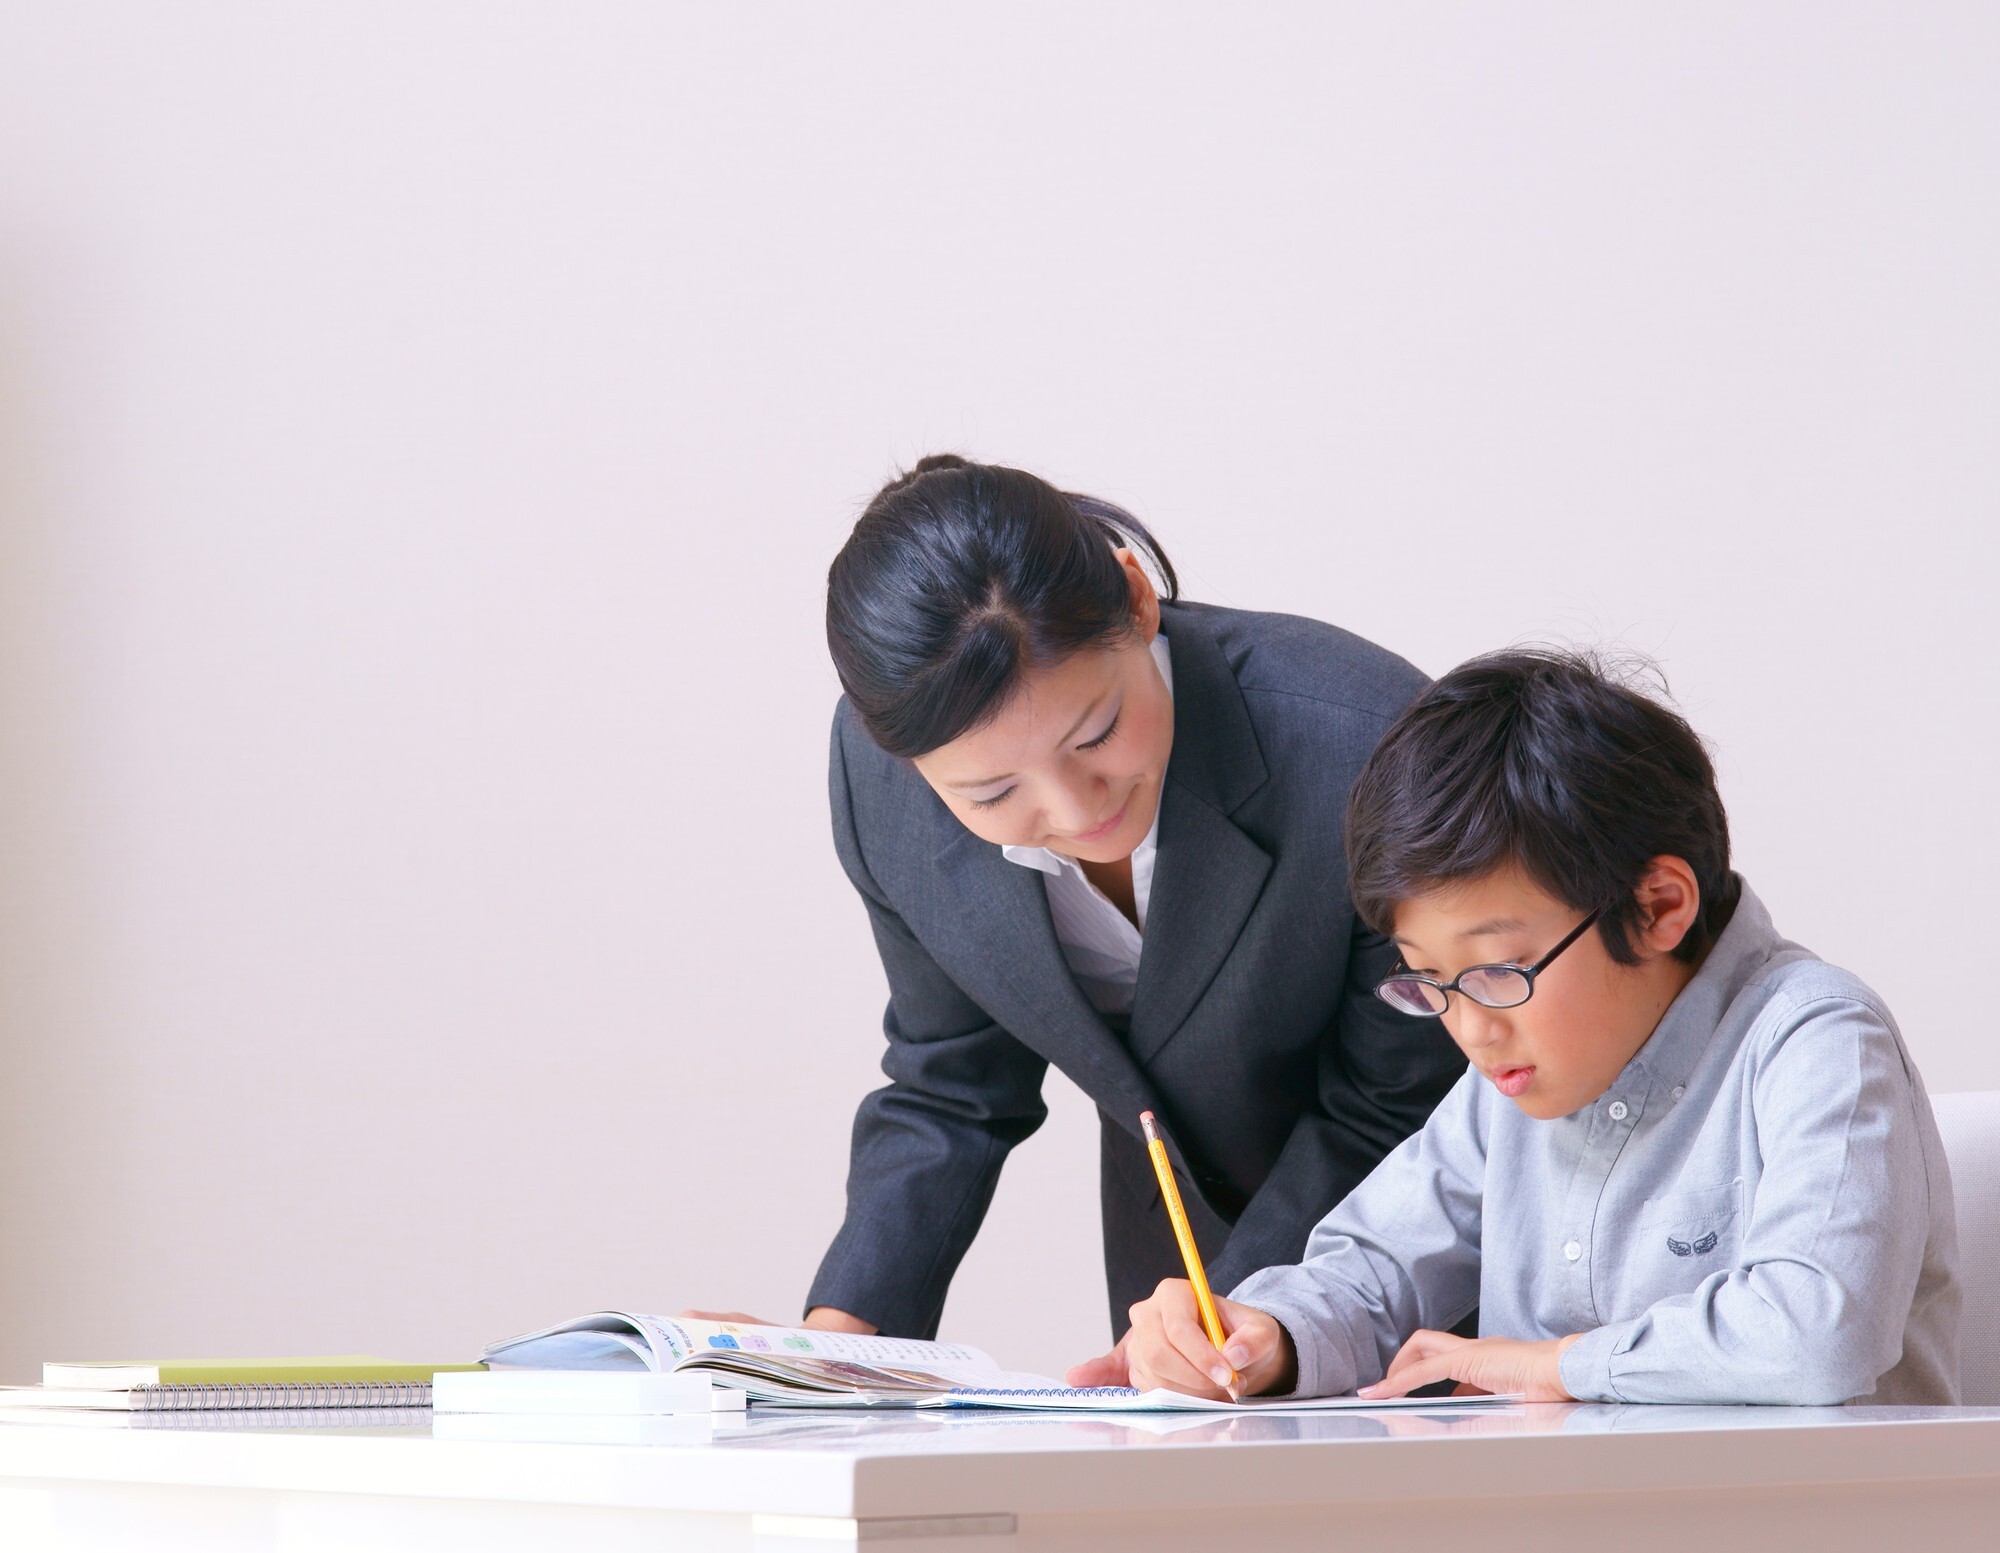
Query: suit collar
{"points": [[1220, 762], [1006, 909]]}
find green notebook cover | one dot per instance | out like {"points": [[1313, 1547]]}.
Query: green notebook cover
{"points": [[354, 1368]]}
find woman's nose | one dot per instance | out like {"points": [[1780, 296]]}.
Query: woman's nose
{"points": [[1073, 805]]}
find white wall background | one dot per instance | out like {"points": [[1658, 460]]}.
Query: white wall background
{"points": [[424, 429]]}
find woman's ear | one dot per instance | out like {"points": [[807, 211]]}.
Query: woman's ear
{"points": [[1669, 901], [1145, 602]]}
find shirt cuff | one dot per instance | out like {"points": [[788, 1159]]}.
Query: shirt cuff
{"points": [[1326, 1365], [1586, 1366]]}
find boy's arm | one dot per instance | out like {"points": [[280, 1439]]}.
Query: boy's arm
{"points": [[1815, 1308], [1401, 1252]]}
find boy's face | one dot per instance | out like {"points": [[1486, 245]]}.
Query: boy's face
{"points": [[1589, 1015]]}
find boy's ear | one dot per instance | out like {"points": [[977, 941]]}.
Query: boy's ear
{"points": [[1669, 901]]}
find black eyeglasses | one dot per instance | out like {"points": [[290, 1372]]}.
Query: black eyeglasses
{"points": [[1494, 986]]}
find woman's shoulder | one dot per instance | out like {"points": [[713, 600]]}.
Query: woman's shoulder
{"points": [[1308, 661]]}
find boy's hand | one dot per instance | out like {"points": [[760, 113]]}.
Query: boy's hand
{"points": [[1495, 1364], [1167, 1347]]}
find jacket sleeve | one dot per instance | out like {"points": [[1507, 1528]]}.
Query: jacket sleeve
{"points": [[927, 1148], [1814, 1311], [1381, 1074]]}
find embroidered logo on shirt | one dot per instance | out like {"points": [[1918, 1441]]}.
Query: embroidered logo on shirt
{"points": [[1700, 1248]]}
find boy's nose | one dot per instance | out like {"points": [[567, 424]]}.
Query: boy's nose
{"points": [[1476, 1025]]}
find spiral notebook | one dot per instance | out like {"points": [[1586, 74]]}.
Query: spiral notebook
{"points": [[337, 1381], [809, 1368]]}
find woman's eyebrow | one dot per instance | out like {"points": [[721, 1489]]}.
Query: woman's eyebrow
{"points": [[1096, 701]]}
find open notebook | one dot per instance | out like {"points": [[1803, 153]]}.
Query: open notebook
{"points": [[801, 1368]]}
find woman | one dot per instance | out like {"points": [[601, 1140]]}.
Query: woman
{"points": [[1097, 827]]}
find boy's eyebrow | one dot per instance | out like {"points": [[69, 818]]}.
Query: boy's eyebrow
{"points": [[1494, 925], [1081, 720], [1486, 929]]}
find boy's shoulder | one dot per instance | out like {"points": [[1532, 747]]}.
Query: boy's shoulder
{"points": [[1819, 1023], [1794, 983]]}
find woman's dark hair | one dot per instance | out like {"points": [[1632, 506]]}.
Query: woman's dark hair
{"points": [[958, 579], [1553, 761]]}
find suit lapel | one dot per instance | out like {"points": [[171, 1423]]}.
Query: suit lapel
{"points": [[1209, 873], [1007, 908]]}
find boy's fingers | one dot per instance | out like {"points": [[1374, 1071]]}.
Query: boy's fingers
{"points": [[1424, 1345], [1185, 1331], [1419, 1373], [1163, 1365], [1247, 1333]]}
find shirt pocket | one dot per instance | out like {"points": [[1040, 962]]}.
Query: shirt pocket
{"points": [[1676, 1242]]}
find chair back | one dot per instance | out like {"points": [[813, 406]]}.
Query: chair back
{"points": [[1969, 1124]]}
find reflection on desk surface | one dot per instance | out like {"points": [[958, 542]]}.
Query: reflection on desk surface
{"points": [[878, 1434], [909, 1432]]}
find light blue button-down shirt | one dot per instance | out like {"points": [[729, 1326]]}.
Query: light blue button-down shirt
{"points": [[1757, 1210]]}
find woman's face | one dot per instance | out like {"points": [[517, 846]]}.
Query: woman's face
{"points": [[1075, 759]]}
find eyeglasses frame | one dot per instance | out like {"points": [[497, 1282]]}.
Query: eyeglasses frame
{"points": [[1530, 972]]}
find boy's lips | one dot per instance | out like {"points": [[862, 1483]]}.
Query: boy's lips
{"points": [[1514, 1081]]}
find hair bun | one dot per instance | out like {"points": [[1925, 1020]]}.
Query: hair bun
{"points": [[928, 464]]}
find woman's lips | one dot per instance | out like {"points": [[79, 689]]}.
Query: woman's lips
{"points": [[1099, 832], [1512, 1082]]}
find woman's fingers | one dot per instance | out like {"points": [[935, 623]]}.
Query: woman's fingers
{"points": [[1111, 1369]]}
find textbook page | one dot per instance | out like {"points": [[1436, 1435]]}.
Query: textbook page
{"points": [[837, 1362]]}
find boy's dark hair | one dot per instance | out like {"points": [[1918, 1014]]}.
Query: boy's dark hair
{"points": [[1550, 760], [958, 579]]}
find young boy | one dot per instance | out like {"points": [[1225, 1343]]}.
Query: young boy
{"points": [[1690, 1162]]}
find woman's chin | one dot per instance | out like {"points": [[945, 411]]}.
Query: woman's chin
{"points": [[1116, 844]]}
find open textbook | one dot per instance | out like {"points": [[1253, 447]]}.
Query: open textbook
{"points": [[804, 1368]]}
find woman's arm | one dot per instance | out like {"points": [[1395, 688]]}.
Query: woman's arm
{"points": [[927, 1149]]}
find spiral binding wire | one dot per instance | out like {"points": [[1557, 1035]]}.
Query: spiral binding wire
{"points": [[316, 1393], [1045, 1391]]}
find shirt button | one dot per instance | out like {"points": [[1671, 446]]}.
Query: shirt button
{"points": [[1572, 1251], [1618, 1111], [1679, 1090]]}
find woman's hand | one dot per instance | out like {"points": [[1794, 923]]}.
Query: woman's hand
{"points": [[1106, 1370], [1167, 1347], [1503, 1365], [823, 1318]]}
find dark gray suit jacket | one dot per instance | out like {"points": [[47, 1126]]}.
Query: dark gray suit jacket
{"points": [[1254, 1033]]}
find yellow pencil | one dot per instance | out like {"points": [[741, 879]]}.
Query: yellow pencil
{"points": [[1211, 1323]]}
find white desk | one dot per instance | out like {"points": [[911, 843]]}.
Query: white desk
{"points": [[1690, 1480]]}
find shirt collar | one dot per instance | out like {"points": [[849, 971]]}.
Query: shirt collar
{"points": [[1042, 859], [1691, 1020]]}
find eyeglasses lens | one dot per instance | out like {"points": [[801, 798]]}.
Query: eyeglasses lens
{"points": [[1412, 996], [1495, 986]]}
